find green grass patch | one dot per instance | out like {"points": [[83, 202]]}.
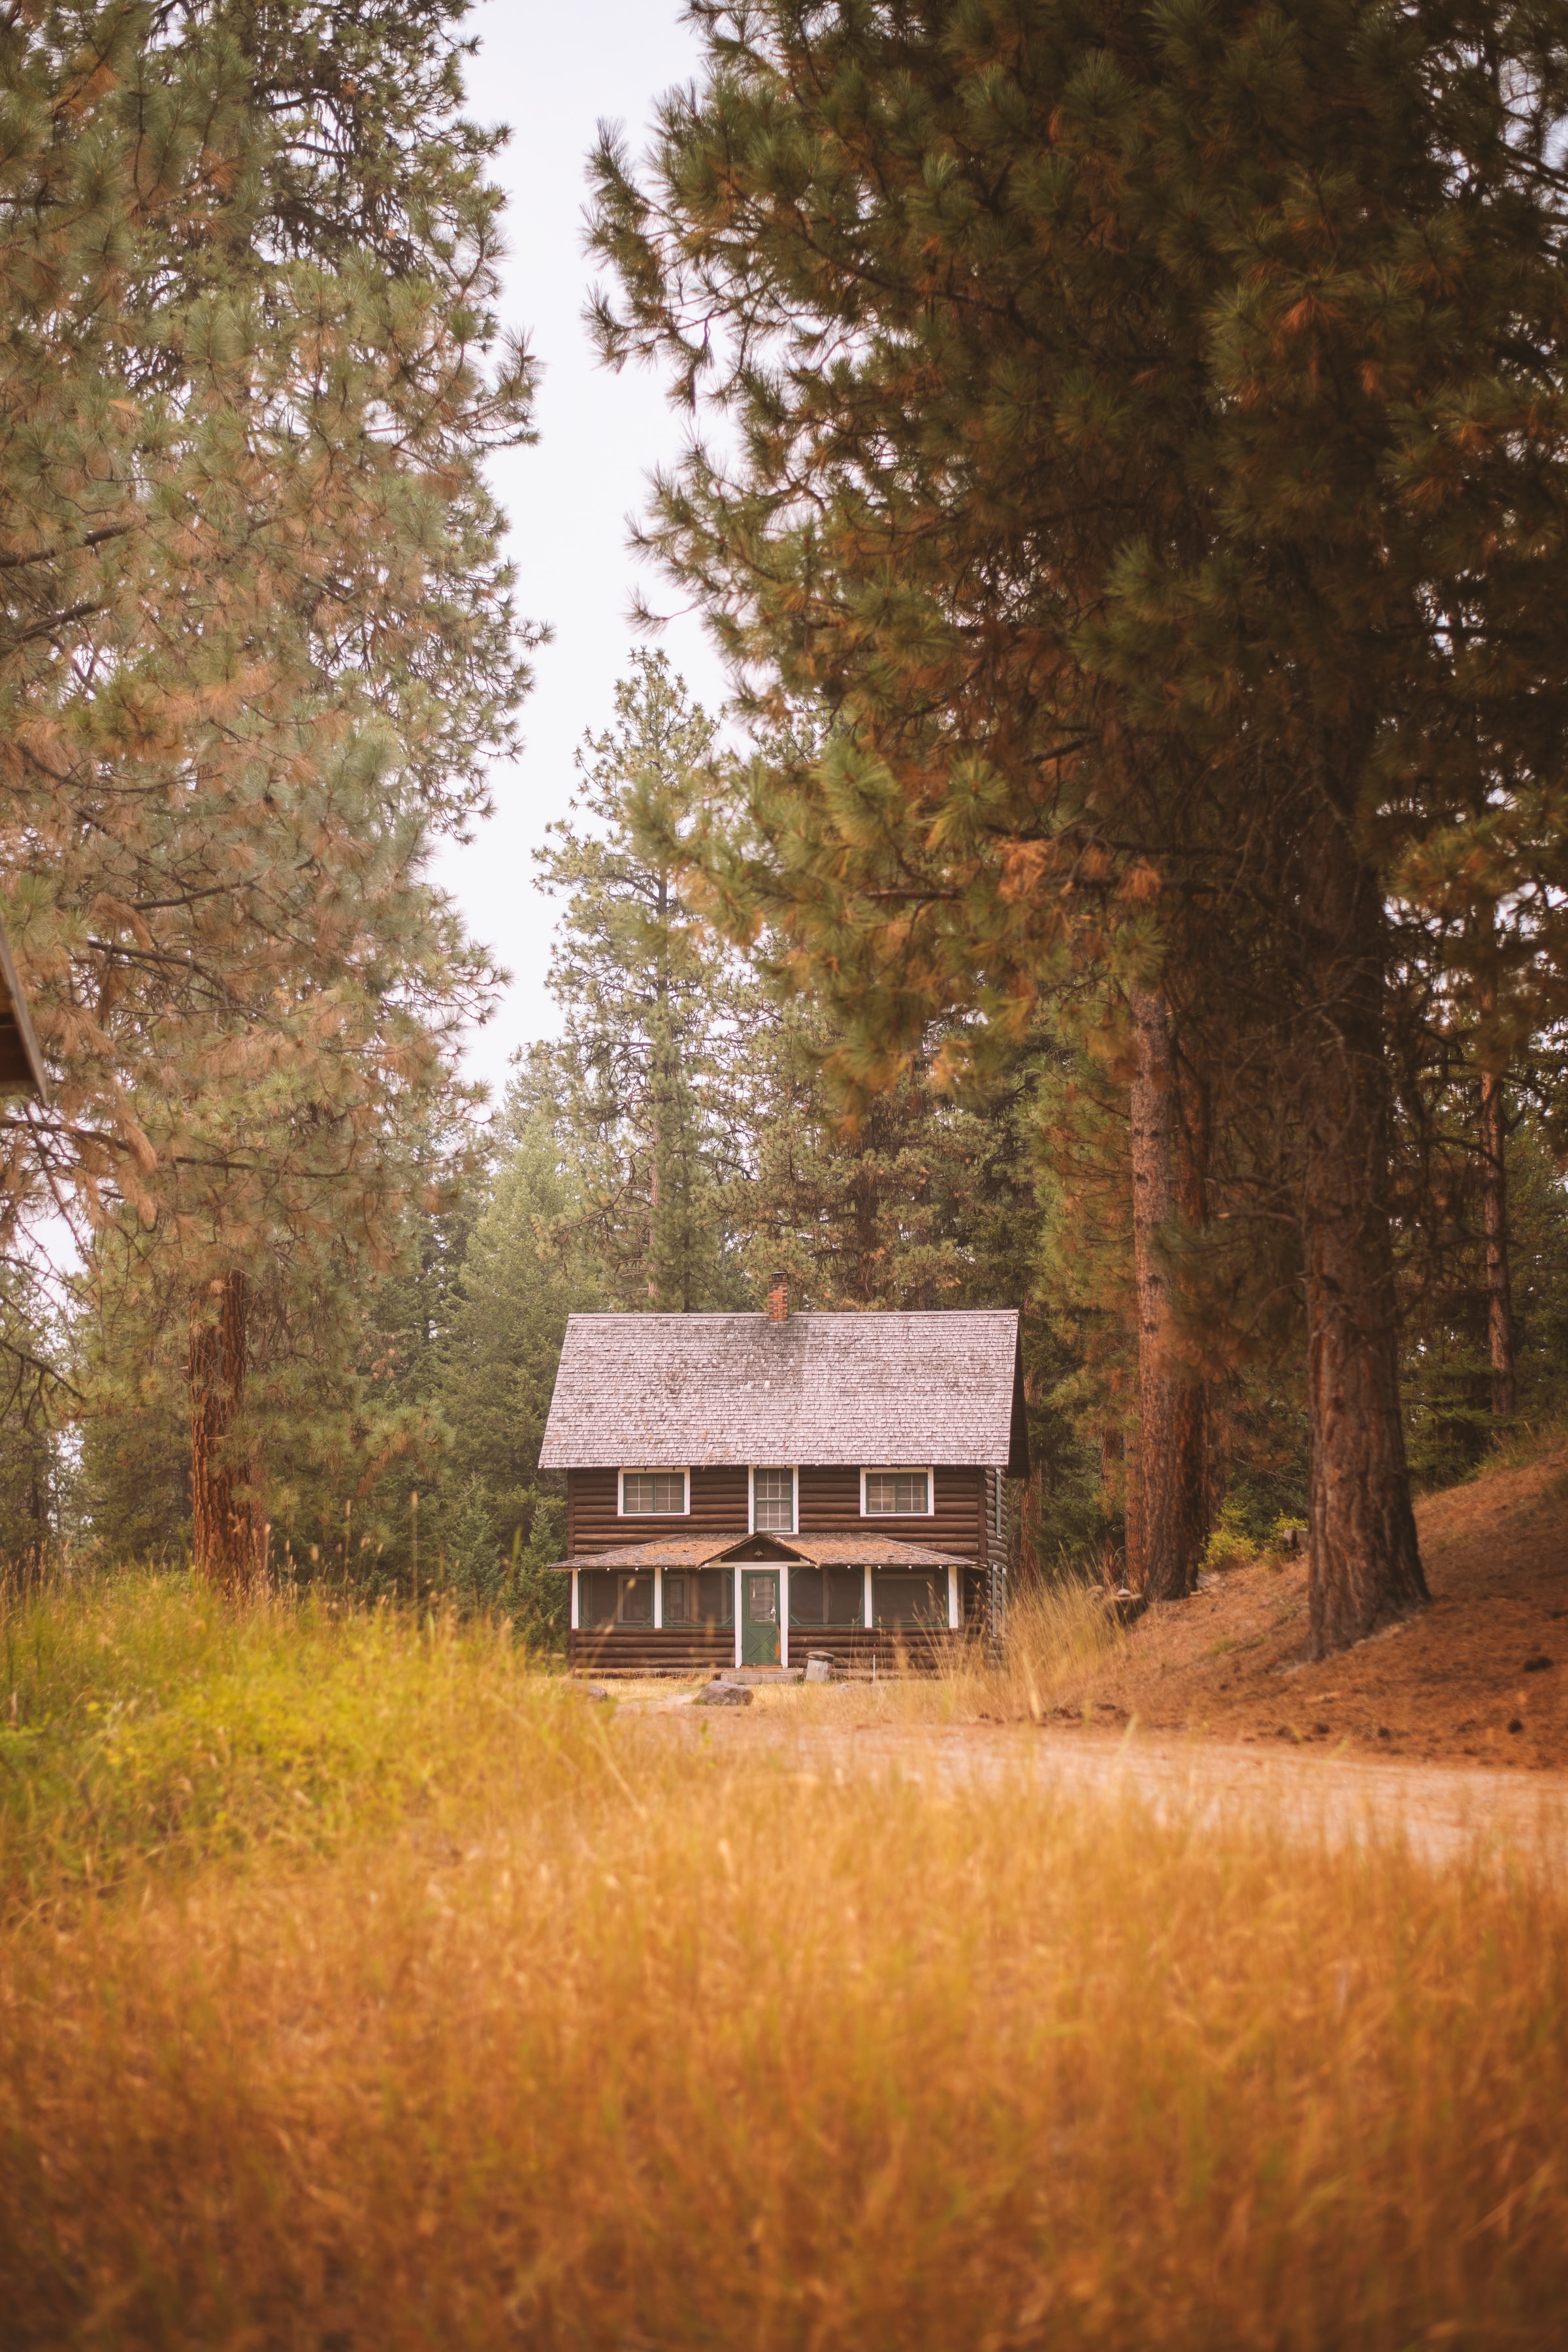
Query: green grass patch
{"points": [[144, 1721]]}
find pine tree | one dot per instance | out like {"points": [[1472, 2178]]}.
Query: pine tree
{"points": [[873, 1209], [257, 652], [1146, 444], [520, 1279], [642, 1084]]}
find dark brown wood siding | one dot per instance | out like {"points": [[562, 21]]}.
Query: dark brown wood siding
{"points": [[686, 1649], [720, 1507], [851, 1648], [830, 1504]]}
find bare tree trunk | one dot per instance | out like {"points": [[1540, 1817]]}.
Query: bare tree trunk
{"points": [[1134, 1559], [1494, 1210], [1026, 1565], [223, 1538], [261, 1525], [1169, 1407], [1198, 1504], [1113, 1473], [1365, 1562]]}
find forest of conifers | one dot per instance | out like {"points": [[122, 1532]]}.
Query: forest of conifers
{"points": [[1129, 482]]}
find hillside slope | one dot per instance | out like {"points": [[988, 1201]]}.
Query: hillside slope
{"points": [[1482, 1674]]}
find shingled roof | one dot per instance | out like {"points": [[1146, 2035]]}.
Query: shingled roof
{"points": [[678, 1391]]}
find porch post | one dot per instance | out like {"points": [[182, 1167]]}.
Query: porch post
{"points": [[784, 1613], [576, 1619], [737, 1576], [952, 1599], [657, 1598], [868, 1607]]}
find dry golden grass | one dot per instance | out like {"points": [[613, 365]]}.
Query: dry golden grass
{"points": [[588, 2036]]}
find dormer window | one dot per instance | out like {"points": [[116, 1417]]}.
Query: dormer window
{"points": [[650, 1493], [772, 1502], [895, 1493]]}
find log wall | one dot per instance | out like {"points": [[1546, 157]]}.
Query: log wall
{"points": [[683, 1650], [720, 1507], [828, 1503], [851, 1648]]}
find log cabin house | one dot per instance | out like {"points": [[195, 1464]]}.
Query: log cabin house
{"points": [[743, 1490]]}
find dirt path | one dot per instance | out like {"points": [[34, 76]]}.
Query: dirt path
{"points": [[1480, 1677], [1443, 1812]]}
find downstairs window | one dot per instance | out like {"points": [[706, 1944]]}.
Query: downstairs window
{"points": [[700, 1596], [915, 1596], [827, 1596], [607, 1597]]}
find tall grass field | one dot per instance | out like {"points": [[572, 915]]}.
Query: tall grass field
{"points": [[364, 1985]]}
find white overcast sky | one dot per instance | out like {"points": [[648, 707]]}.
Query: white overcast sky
{"points": [[551, 73]]}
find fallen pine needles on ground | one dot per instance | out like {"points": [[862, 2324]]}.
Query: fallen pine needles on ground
{"points": [[585, 2036]]}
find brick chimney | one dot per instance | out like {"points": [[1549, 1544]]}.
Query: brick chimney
{"points": [[778, 1298]]}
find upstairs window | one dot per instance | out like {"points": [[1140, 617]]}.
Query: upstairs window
{"points": [[896, 1494], [648, 1494], [772, 1502]]}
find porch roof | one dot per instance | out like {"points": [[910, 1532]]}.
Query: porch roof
{"points": [[804, 1551]]}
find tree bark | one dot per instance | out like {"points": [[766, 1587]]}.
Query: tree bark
{"points": [[1026, 1565], [1193, 1138], [1365, 1561], [224, 1538], [1134, 1564], [1171, 1479], [1116, 1486], [1494, 1212]]}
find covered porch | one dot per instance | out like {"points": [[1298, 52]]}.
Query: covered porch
{"points": [[686, 1604]]}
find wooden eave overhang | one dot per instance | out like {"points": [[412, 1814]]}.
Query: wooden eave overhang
{"points": [[804, 1551]]}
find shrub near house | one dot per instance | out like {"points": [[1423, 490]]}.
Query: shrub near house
{"points": [[743, 1488]]}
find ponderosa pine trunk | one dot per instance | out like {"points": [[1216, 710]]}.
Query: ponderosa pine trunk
{"points": [[1024, 1564], [1193, 1142], [1132, 1514], [1171, 1474], [223, 1536], [1494, 1214], [1365, 1561]]}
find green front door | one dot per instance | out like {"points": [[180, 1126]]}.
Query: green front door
{"points": [[759, 1617]]}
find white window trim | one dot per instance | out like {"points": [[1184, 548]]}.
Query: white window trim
{"points": [[793, 1469], [900, 1470], [651, 1470]]}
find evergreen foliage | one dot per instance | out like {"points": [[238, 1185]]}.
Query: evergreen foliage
{"points": [[258, 652], [1131, 550], [1147, 444], [658, 1014]]}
